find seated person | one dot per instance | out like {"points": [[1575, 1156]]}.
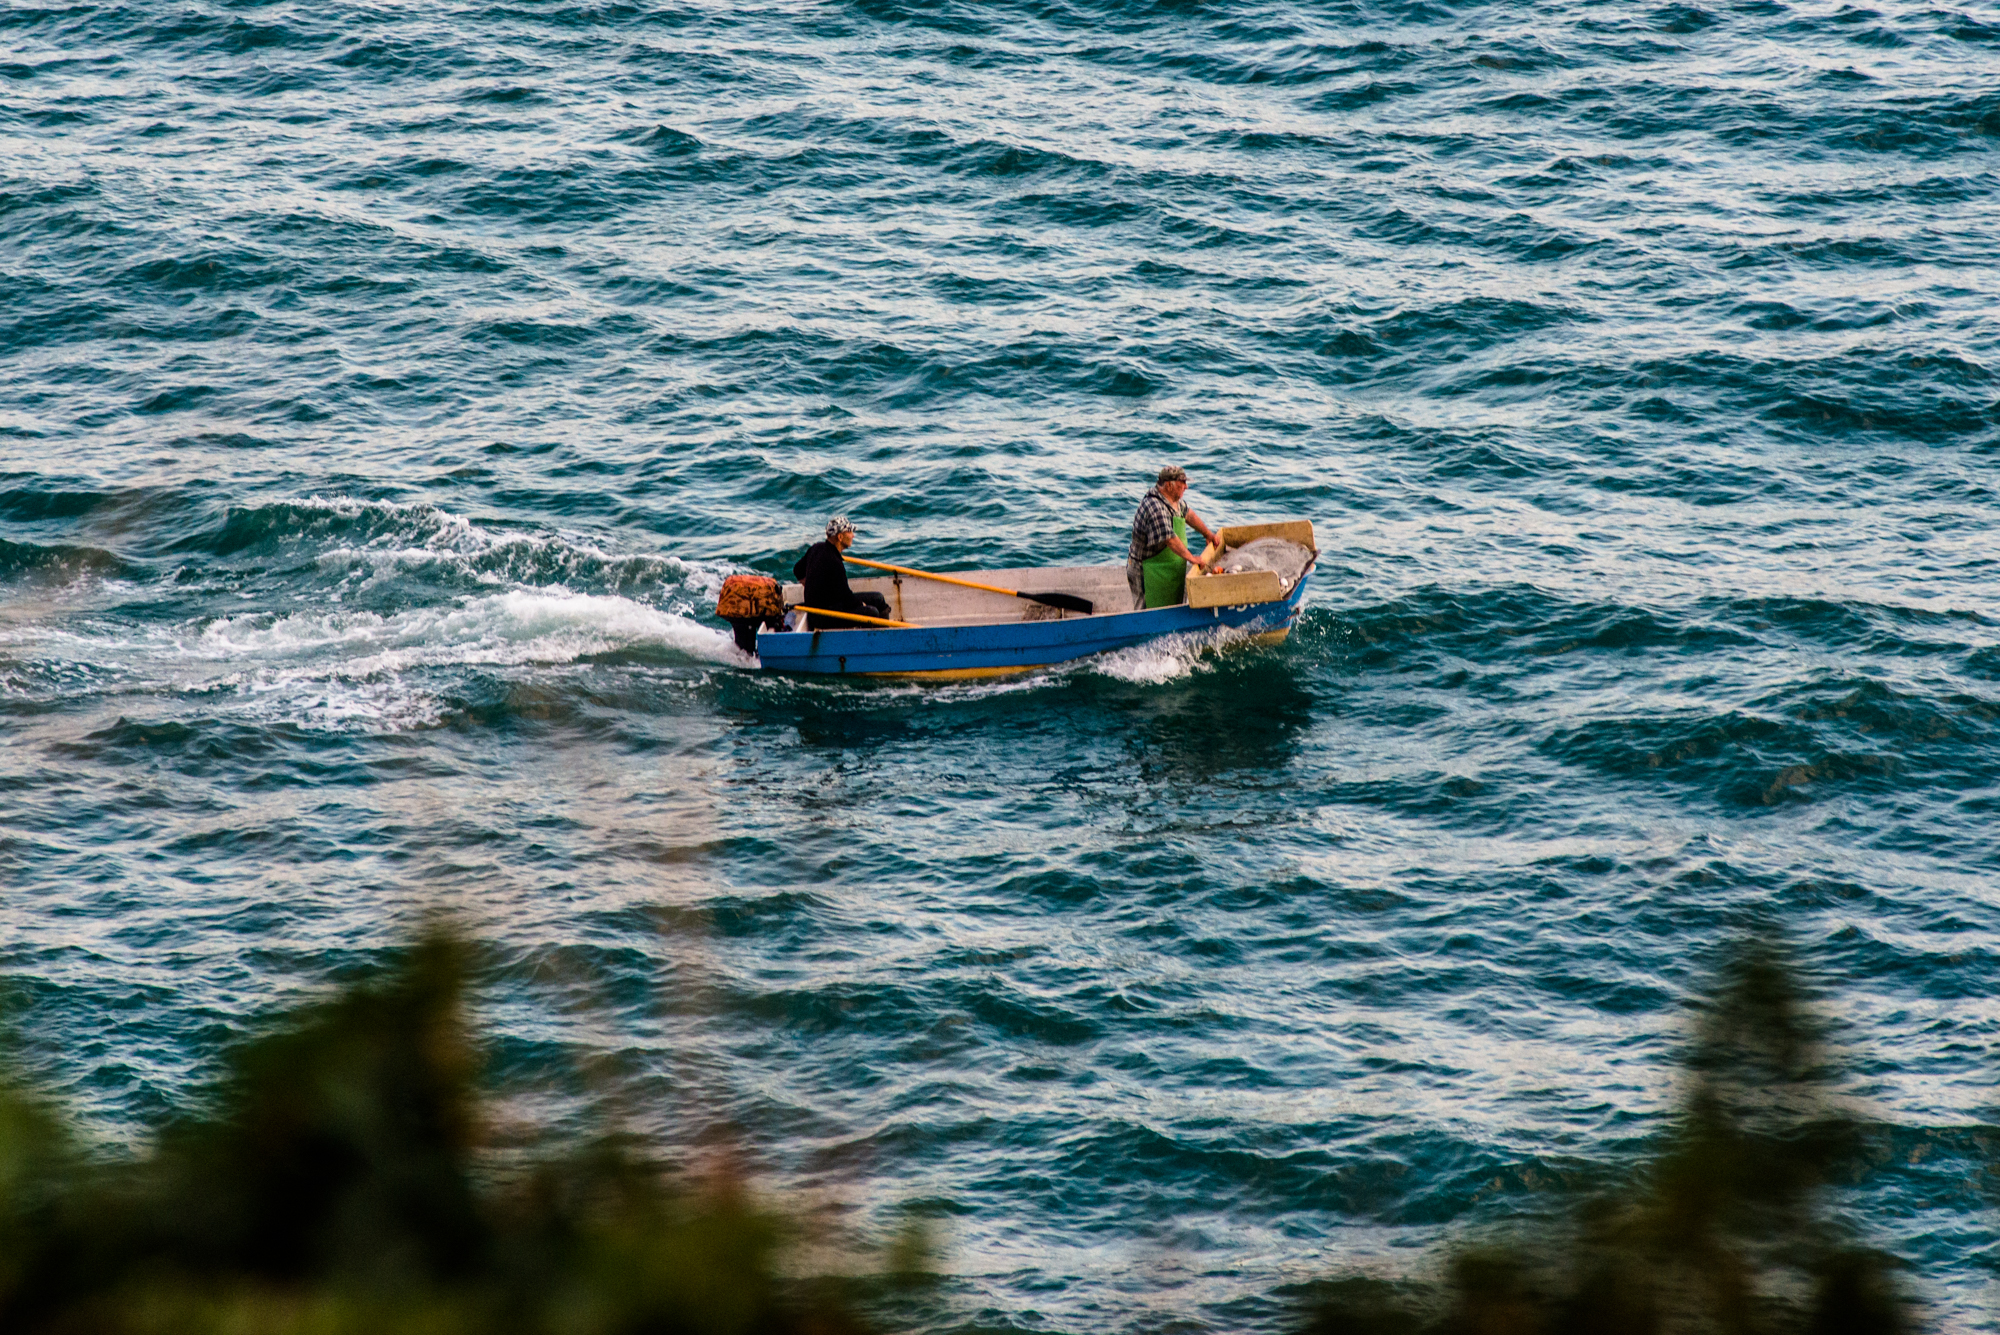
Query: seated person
{"points": [[824, 575]]}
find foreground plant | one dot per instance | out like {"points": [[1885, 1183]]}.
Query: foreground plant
{"points": [[1727, 1233], [333, 1184]]}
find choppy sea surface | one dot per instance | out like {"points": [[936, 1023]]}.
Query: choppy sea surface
{"points": [[385, 389]]}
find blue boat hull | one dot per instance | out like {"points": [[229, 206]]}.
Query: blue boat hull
{"points": [[947, 652]]}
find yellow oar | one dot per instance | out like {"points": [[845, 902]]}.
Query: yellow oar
{"points": [[1068, 602], [851, 616]]}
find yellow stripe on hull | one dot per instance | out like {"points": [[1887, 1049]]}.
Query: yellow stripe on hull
{"points": [[958, 674]]}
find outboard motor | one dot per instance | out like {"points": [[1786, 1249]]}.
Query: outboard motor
{"points": [[749, 601]]}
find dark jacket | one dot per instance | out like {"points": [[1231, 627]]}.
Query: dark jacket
{"points": [[824, 575]]}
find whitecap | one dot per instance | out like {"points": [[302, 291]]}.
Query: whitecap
{"points": [[1159, 661], [520, 626]]}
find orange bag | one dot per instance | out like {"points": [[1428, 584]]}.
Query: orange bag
{"points": [[750, 598]]}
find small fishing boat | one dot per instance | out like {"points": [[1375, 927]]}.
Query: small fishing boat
{"points": [[973, 623]]}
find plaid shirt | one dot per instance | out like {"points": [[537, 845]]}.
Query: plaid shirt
{"points": [[1154, 524]]}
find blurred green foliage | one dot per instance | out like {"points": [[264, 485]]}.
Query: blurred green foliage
{"points": [[338, 1180], [335, 1183], [1726, 1234]]}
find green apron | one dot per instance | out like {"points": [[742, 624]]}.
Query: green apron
{"points": [[1166, 572]]}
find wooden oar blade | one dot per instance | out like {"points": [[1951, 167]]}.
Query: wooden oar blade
{"points": [[1068, 602]]}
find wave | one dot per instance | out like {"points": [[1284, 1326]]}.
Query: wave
{"points": [[59, 562], [1170, 659], [903, 378], [1748, 759], [522, 626], [359, 542], [338, 545], [346, 671], [398, 593], [1641, 393]]}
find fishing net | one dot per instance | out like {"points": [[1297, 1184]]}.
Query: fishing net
{"points": [[1287, 560]]}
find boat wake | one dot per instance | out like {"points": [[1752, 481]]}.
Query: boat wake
{"points": [[388, 606], [1168, 659]]}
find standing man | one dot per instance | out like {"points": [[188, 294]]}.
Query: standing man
{"points": [[1156, 568], [824, 575]]}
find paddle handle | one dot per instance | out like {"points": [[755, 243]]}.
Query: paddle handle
{"points": [[853, 616], [925, 574]]}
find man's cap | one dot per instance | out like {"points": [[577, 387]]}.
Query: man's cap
{"points": [[1171, 473], [837, 526]]}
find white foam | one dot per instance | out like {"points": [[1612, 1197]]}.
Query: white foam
{"points": [[520, 626], [331, 665], [338, 669], [343, 670], [1155, 662], [344, 706], [429, 538]]}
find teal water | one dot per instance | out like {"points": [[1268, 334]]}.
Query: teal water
{"points": [[388, 388]]}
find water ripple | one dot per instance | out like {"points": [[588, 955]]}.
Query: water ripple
{"points": [[389, 389]]}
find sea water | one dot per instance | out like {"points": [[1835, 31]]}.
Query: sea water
{"points": [[388, 388]]}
